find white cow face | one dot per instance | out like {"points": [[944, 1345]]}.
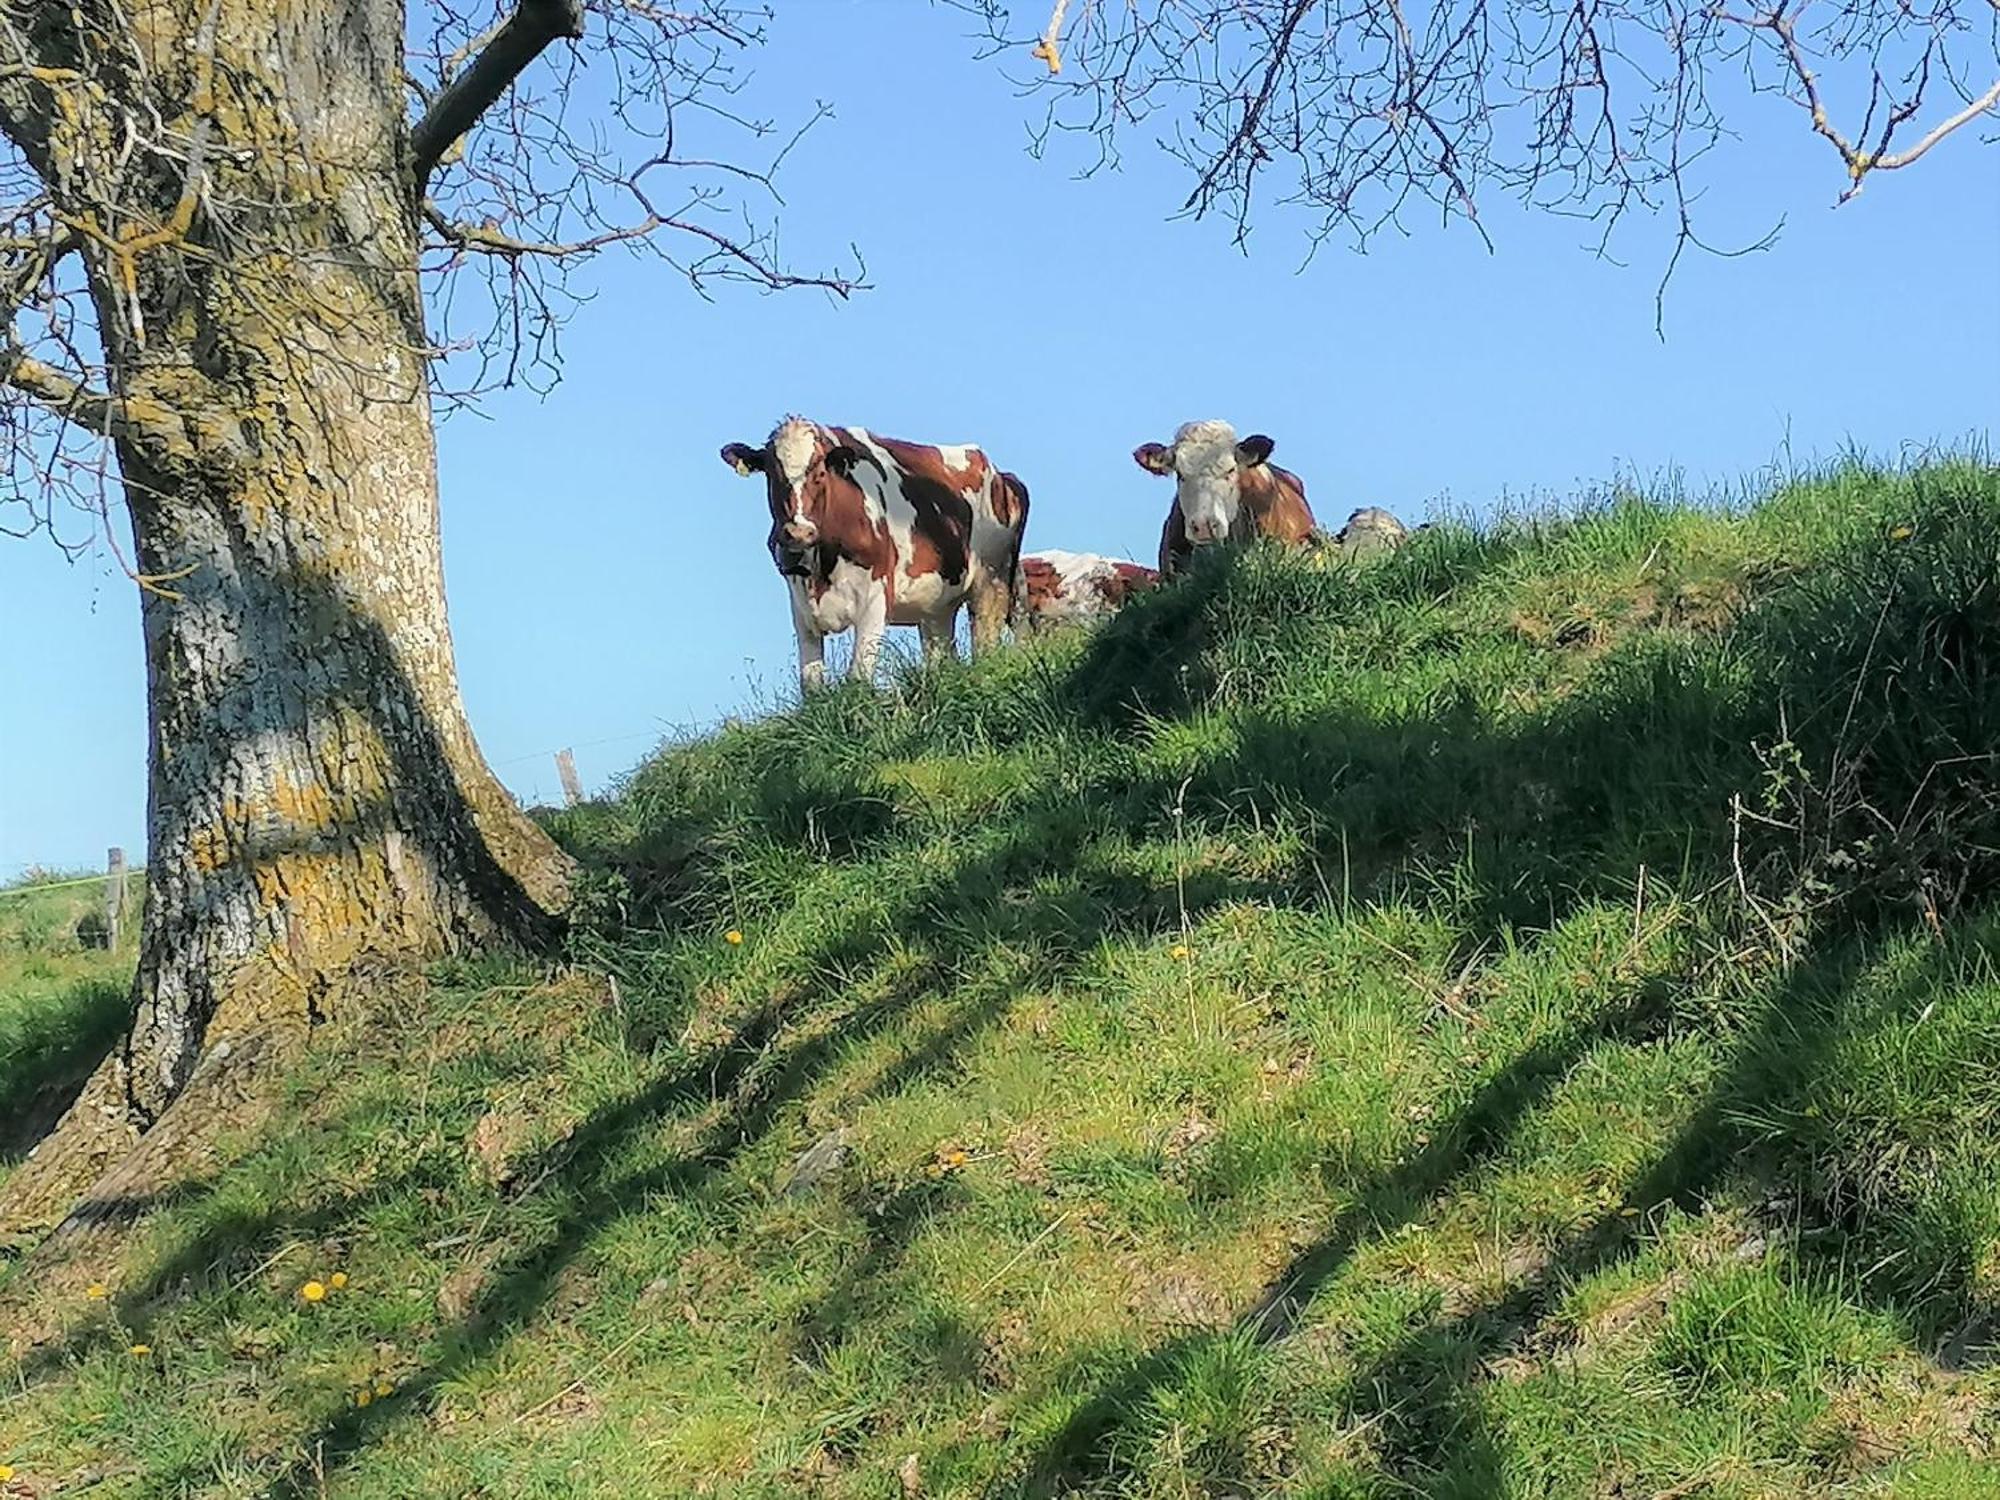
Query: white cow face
{"points": [[1208, 464], [801, 466]]}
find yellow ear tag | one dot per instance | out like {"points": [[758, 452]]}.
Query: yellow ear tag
{"points": [[741, 467]]}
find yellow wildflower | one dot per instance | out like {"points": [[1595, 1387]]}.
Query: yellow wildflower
{"points": [[733, 938], [337, 1280], [6, 1472], [97, 1291], [384, 1388], [140, 1351], [949, 1159], [363, 1396], [313, 1291], [1179, 950]]}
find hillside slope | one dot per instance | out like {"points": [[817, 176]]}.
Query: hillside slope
{"points": [[1518, 1018]]}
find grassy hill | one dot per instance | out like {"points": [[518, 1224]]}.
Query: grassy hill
{"points": [[1518, 1018]]}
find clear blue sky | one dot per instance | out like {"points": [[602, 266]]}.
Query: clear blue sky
{"points": [[607, 574]]}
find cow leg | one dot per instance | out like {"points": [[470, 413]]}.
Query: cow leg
{"points": [[868, 636], [938, 635], [990, 600], [812, 660], [811, 640]]}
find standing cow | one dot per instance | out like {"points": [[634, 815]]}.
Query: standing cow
{"points": [[1224, 491], [869, 532]]}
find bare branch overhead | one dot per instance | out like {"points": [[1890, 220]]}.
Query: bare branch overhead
{"points": [[458, 105], [1346, 114]]}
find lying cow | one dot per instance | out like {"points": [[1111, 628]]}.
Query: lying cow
{"points": [[1369, 531], [1058, 588], [1224, 491], [869, 532]]}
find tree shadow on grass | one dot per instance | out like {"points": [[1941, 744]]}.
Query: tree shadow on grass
{"points": [[1754, 1134], [762, 1074], [772, 1061], [1084, 1447]]}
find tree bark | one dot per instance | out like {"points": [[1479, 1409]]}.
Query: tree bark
{"points": [[319, 813]]}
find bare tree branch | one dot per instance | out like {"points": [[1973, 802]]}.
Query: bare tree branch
{"points": [[1987, 102], [1860, 159], [487, 240], [1357, 110], [456, 108]]}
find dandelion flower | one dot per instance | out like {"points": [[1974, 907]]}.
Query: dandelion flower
{"points": [[363, 1396], [1179, 950], [384, 1388], [6, 1472], [733, 938], [337, 1280], [140, 1351], [313, 1291], [97, 1291]]}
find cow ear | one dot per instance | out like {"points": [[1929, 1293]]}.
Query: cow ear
{"points": [[841, 459], [1154, 458], [1255, 449], [743, 458]]}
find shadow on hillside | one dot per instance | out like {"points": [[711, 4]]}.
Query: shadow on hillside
{"points": [[774, 1057], [1435, 1423], [1533, 817], [1420, 1399]]}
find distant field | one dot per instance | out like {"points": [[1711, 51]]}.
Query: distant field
{"points": [[60, 1002], [1519, 1018]]}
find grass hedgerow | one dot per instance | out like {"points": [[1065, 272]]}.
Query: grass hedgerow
{"points": [[1515, 1017]]}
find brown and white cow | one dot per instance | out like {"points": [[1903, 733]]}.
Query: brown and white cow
{"points": [[1058, 588], [870, 532], [1224, 491]]}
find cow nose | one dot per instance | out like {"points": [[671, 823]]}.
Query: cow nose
{"points": [[802, 532], [1202, 532]]}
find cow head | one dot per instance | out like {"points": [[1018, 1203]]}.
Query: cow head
{"points": [[1207, 463], [801, 464]]}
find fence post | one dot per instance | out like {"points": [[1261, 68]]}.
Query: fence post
{"points": [[114, 895], [566, 768]]}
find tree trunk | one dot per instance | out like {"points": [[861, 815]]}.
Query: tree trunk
{"points": [[319, 814]]}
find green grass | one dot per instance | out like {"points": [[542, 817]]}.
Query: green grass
{"points": [[1519, 1018], [61, 1003]]}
